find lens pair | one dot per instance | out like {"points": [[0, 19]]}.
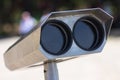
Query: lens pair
{"points": [[56, 36]]}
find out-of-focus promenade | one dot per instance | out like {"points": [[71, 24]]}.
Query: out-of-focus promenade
{"points": [[102, 66]]}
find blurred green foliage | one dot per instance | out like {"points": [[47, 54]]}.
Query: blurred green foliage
{"points": [[10, 10]]}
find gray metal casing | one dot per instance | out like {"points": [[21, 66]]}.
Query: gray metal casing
{"points": [[28, 50]]}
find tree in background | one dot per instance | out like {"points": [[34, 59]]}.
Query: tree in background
{"points": [[10, 10]]}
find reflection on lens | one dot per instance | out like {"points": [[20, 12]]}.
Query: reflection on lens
{"points": [[55, 37], [88, 33]]}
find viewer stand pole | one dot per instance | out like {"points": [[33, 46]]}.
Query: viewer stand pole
{"points": [[51, 71]]}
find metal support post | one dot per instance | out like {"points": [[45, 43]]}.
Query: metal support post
{"points": [[51, 71]]}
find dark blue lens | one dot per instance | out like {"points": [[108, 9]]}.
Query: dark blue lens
{"points": [[55, 37], [84, 34], [88, 33]]}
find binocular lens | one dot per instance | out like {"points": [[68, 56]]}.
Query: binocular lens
{"points": [[55, 37], [88, 33]]}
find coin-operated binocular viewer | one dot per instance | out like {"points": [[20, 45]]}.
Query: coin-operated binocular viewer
{"points": [[61, 36]]}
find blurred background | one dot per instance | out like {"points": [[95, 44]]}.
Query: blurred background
{"points": [[13, 12], [17, 18]]}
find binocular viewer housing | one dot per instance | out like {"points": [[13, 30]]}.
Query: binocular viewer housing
{"points": [[61, 35]]}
